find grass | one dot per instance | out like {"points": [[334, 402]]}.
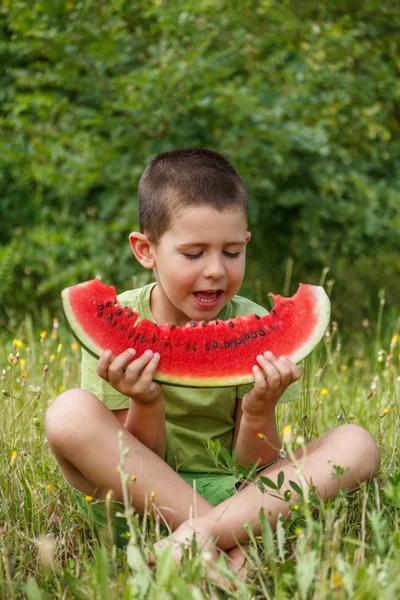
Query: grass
{"points": [[348, 548]]}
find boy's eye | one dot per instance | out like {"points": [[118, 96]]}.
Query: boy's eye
{"points": [[192, 256], [229, 254]]}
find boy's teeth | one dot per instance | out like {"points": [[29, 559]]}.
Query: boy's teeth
{"points": [[207, 296]]}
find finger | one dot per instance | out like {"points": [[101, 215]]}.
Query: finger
{"points": [[285, 372], [295, 370], [117, 366], [135, 369], [271, 373], [260, 383], [103, 364], [146, 377]]}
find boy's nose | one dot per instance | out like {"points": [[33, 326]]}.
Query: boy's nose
{"points": [[214, 268]]}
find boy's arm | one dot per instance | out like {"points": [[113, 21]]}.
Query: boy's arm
{"points": [[248, 444], [256, 412], [146, 422], [146, 415]]}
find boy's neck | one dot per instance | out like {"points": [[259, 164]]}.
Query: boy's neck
{"points": [[162, 312]]}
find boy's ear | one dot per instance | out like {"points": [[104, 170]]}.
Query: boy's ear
{"points": [[248, 236], [142, 249]]}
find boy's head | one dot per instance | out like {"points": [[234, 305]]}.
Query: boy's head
{"points": [[182, 178]]}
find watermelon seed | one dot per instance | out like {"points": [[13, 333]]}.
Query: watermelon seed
{"points": [[273, 312], [193, 323], [261, 332], [215, 344], [166, 344], [194, 347], [204, 323], [253, 333], [173, 326], [154, 339], [119, 312], [130, 314], [109, 316], [231, 324], [208, 347], [115, 323], [130, 334], [187, 346], [216, 321], [100, 314], [246, 335], [122, 328], [108, 304], [101, 307], [227, 344], [257, 317], [239, 341], [143, 339]]}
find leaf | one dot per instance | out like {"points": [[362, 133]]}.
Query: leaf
{"points": [[295, 486], [32, 590], [280, 536], [268, 482], [281, 479], [267, 535], [305, 571]]}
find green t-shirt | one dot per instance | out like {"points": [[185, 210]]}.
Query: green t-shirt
{"points": [[193, 415]]}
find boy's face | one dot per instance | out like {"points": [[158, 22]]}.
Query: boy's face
{"points": [[199, 264]]}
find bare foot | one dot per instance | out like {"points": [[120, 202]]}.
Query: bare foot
{"points": [[184, 536]]}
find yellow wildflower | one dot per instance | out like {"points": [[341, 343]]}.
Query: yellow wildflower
{"points": [[49, 488], [352, 416], [385, 412], [260, 435], [324, 392], [43, 335], [152, 496], [298, 530], [22, 363], [133, 477], [359, 363], [61, 388], [59, 348], [337, 580], [18, 344], [14, 455], [343, 367], [395, 339], [295, 507], [52, 357], [88, 499], [23, 375], [287, 434], [74, 346]]}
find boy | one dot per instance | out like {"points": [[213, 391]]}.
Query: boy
{"points": [[193, 219]]}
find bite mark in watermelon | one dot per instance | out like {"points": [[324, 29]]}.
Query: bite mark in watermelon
{"points": [[201, 354]]}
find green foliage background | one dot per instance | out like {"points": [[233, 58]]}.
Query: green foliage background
{"points": [[304, 99]]}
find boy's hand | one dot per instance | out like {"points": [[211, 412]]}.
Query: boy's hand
{"points": [[272, 377], [135, 379]]}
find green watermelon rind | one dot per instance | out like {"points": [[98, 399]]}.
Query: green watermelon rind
{"points": [[321, 307]]}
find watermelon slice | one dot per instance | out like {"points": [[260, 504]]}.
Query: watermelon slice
{"points": [[201, 354]]}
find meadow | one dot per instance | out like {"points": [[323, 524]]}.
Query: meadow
{"points": [[348, 547]]}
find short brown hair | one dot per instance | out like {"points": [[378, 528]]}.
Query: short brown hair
{"points": [[186, 177]]}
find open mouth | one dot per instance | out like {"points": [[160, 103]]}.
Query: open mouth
{"points": [[207, 297]]}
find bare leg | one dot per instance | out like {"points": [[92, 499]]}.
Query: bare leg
{"points": [[348, 445], [83, 435]]}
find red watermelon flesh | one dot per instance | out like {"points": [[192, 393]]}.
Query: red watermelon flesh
{"points": [[201, 354]]}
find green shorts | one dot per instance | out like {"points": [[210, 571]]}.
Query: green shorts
{"points": [[103, 518]]}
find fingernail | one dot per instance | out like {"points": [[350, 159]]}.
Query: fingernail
{"points": [[131, 350], [156, 355], [148, 353], [268, 354]]}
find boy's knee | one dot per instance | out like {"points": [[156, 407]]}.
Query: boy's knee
{"points": [[361, 443], [67, 414]]}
